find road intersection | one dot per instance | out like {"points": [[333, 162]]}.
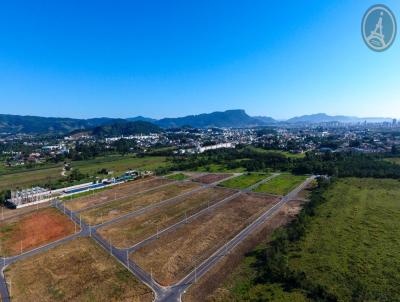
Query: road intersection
{"points": [[162, 294]]}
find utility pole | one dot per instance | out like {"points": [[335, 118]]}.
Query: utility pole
{"points": [[10, 289]]}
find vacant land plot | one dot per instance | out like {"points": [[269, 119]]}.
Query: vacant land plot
{"points": [[178, 176], [225, 279], [123, 206], [211, 178], [282, 184], [119, 191], [349, 250], [175, 254], [244, 181], [128, 232], [33, 230], [28, 178], [8, 213], [79, 270]]}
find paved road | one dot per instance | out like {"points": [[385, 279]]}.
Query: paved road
{"points": [[174, 293], [180, 223]]}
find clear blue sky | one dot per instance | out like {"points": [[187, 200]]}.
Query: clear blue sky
{"points": [[173, 58]]}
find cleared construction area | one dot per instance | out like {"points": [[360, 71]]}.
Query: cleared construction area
{"points": [[118, 191], [79, 270], [28, 231], [211, 178], [133, 230], [175, 254], [135, 202]]}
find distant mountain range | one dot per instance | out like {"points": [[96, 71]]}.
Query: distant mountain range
{"points": [[324, 118], [112, 126]]}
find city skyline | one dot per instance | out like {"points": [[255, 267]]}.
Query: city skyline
{"points": [[156, 60]]}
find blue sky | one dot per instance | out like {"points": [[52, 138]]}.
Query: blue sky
{"points": [[172, 58]]}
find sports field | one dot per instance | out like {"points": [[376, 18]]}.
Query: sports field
{"points": [[79, 270], [117, 208], [174, 255], [244, 181], [133, 230], [281, 185], [34, 229]]}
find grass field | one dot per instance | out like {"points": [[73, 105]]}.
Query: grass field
{"points": [[33, 230], [244, 181], [133, 230], [174, 255], [79, 270], [395, 160], [285, 153], [281, 185], [350, 248], [117, 164], [126, 205], [178, 176], [219, 168], [118, 191]]}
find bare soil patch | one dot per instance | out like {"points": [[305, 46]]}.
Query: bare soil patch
{"points": [[119, 191], [33, 230], [174, 255], [211, 178], [79, 270], [129, 204], [133, 230], [214, 286]]}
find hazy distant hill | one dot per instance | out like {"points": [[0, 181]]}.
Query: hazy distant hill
{"points": [[230, 118], [141, 119], [40, 125], [324, 118], [126, 128]]}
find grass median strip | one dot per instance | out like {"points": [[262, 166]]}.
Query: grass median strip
{"points": [[174, 255], [126, 205], [79, 270], [133, 230]]}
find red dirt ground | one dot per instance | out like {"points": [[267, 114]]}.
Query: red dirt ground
{"points": [[34, 230]]}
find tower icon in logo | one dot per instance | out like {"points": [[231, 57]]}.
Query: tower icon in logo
{"points": [[379, 28]]}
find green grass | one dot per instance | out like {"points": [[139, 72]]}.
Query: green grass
{"points": [[244, 181], [282, 184], [350, 248], [86, 193], [394, 160], [116, 163], [219, 168], [285, 153], [177, 176]]}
